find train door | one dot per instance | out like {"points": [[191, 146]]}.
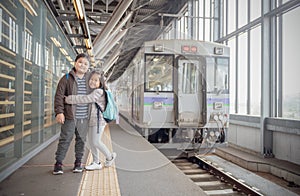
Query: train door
{"points": [[189, 93]]}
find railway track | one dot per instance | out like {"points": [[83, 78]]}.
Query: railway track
{"points": [[212, 179]]}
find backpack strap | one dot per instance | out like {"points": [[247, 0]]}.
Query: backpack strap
{"points": [[98, 115], [98, 107], [67, 78]]}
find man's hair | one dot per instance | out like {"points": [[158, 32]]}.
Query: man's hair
{"points": [[82, 55]]}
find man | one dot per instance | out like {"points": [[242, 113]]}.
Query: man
{"points": [[73, 118]]}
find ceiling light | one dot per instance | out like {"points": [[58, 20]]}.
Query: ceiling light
{"points": [[88, 44], [28, 7], [78, 4]]}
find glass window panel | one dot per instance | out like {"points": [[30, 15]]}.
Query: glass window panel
{"points": [[10, 34], [159, 73], [207, 8], [28, 120], [231, 16], [255, 70], [201, 6], [7, 102], [290, 65], [223, 22], [242, 74], [232, 82], [30, 87], [7, 85], [178, 35], [242, 12], [207, 30], [201, 33], [196, 20], [7, 119], [8, 28], [186, 28], [28, 43], [255, 9], [182, 28]]}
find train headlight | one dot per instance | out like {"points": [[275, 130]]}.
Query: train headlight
{"points": [[225, 117], [216, 117], [158, 48], [217, 133], [221, 117], [212, 134]]}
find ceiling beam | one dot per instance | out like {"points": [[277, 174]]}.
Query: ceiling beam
{"points": [[76, 35], [79, 46], [67, 18], [110, 25]]}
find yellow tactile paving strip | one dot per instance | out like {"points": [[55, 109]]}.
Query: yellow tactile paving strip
{"points": [[102, 182]]}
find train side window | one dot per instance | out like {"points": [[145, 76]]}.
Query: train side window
{"points": [[159, 72]]}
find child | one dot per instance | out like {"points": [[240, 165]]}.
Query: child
{"points": [[96, 82], [73, 120]]}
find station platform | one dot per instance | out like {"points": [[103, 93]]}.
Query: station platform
{"points": [[139, 169]]}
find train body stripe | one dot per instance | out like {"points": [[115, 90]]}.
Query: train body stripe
{"points": [[165, 100], [213, 100]]}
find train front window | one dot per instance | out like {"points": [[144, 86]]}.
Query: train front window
{"points": [[210, 74], [217, 77], [159, 73], [222, 75]]}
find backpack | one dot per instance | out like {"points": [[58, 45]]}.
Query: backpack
{"points": [[111, 110]]}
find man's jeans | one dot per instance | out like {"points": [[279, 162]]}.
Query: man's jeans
{"points": [[79, 127]]}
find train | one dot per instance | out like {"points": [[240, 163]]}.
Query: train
{"points": [[176, 94]]}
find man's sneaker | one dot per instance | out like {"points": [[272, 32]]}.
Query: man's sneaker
{"points": [[77, 167], [58, 169], [108, 163], [93, 166]]}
